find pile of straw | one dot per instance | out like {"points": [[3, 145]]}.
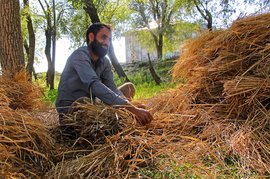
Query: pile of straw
{"points": [[25, 142], [89, 124], [227, 92], [21, 93], [102, 142], [120, 156]]}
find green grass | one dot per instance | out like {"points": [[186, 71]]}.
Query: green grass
{"points": [[49, 96], [140, 76], [148, 90]]}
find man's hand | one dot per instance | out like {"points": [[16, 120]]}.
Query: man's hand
{"points": [[143, 116], [139, 105]]}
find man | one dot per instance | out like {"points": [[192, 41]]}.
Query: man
{"points": [[88, 74]]}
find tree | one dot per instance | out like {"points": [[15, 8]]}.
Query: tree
{"points": [[29, 47], [11, 44], [153, 71], [50, 33], [163, 14], [220, 13], [204, 12]]}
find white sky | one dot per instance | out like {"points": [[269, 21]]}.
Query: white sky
{"points": [[63, 52]]}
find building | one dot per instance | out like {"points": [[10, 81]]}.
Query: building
{"points": [[134, 50]]}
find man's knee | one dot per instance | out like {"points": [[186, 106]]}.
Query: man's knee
{"points": [[128, 90]]}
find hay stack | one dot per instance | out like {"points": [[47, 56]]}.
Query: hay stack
{"points": [[218, 118], [21, 93], [25, 142], [89, 124], [228, 79], [102, 142], [119, 157]]}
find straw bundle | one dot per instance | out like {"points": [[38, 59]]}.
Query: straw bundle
{"points": [[228, 87], [25, 144], [171, 101], [21, 93], [89, 124], [105, 141], [241, 50], [4, 100], [119, 157]]}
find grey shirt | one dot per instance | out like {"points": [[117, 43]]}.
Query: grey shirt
{"points": [[80, 76]]}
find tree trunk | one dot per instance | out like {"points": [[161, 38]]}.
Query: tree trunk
{"points": [[207, 15], [160, 47], [53, 48], [158, 43], [91, 10], [11, 43], [118, 68], [153, 72], [48, 34], [31, 50], [209, 20]]}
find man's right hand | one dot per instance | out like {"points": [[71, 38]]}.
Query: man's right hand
{"points": [[143, 116]]}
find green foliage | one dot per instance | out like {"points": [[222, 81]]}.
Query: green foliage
{"points": [[75, 27], [176, 35], [49, 96], [159, 25], [139, 75], [114, 13]]}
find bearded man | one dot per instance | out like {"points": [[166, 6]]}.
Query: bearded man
{"points": [[88, 75]]}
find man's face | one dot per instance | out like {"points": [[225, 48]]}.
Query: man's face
{"points": [[101, 42]]}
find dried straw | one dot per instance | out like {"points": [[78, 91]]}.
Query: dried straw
{"points": [[89, 124], [22, 94], [26, 144], [228, 87]]}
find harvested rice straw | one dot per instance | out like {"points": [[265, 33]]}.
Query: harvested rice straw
{"points": [[89, 124], [171, 101], [119, 157], [252, 147], [27, 144], [193, 55], [21, 93], [247, 86], [228, 79], [4, 100]]}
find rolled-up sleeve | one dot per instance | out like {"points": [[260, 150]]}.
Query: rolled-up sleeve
{"points": [[106, 95]]}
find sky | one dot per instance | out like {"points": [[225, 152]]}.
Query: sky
{"points": [[63, 52]]}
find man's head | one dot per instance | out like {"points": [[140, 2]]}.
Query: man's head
{"points": [[98, 38]]}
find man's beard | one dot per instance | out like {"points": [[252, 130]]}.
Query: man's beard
{"points": [[97, 48]]}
